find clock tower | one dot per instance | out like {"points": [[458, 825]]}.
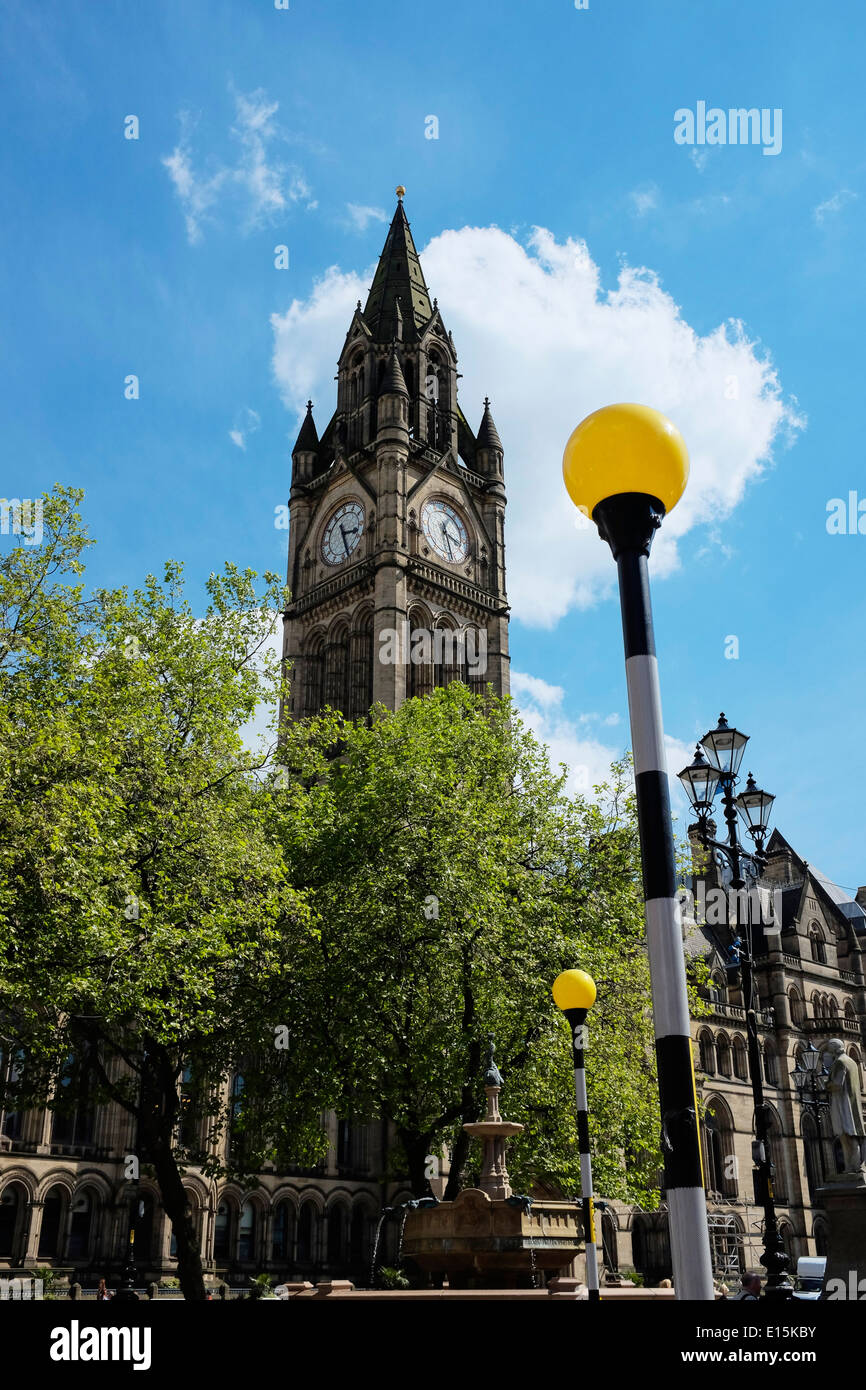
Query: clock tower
{"points": [[397, 513]]}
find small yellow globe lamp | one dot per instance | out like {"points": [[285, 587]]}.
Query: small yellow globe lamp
{"points": [[574, 989], [625, 449], [574, 992]]}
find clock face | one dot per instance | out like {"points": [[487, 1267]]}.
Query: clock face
{"points": [[445, 531], [343, 532]]}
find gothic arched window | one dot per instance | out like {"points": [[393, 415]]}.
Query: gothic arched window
{"points": [[307, 1234], [80, 1227], [338, 1233], [776, 1154], [54, 1208], [723, 1054], [718, 1134], [223, 1231], [337, 670], [446, 652], [72, 1126], [474, 671], [247, 1231], [313, 671], [13, 1208], [707, 1052], [816, 941], [281, 1237], [420, 671], [362, 666], [741, 1060]]}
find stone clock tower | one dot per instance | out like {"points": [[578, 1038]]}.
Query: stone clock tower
{"points": [[396, 532]]}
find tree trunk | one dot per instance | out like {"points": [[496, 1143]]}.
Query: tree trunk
{"points": [[157, 1121], [459, 1155], [174, 1199], [415, 1147]]}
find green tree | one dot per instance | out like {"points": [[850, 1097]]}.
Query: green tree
{"points": [[452, 878], [145, 914]]}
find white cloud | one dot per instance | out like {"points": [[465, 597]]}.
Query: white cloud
{"points": [[246, 423], [536, 690], [573, 741], [536, 330], [259, 186], [833, 205], [360, 217], [644, 200]]}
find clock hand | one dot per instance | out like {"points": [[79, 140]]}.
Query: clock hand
{"points": [[446, 538]]}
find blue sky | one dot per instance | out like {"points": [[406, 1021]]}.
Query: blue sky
{"points": [[260, 127]]}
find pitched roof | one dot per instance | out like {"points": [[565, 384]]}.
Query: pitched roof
{"points": [[308, 439], [393, 380], [398, 276], [488, 435], [839, 898]]}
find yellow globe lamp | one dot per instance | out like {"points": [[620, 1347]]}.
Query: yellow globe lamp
{"points": [[625, 449], [573, 989]]}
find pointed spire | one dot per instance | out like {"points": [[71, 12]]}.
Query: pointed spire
{"points": [[393, 382], [488, 435], [307, 440], [398, 274]]}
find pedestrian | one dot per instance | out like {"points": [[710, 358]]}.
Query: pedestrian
{"points": [[751, 1288], [102, 1294]]}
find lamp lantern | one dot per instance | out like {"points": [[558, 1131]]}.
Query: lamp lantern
{"points": [[725, 747]]}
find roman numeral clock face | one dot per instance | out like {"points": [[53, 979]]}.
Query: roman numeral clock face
{"points": [[343, 532], [444, 531]]}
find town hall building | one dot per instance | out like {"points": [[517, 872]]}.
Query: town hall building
{"points": [[396, 573]]}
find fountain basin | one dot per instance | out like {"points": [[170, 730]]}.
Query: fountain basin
{"points": [[485, 1242]]}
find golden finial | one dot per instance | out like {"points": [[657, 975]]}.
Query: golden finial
{"points": [[400, 191]]}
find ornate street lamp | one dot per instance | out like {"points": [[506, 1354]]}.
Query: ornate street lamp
{"points": [[810, 1077], [574, 993], [701, 781], [724, 748], [755, 807], [626, 466]]}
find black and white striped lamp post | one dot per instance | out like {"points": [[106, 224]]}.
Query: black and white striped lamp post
{"points": [[626, 466], [574, 993]]}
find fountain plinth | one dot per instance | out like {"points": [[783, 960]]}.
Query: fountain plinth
{"points": [[487, 1237]]}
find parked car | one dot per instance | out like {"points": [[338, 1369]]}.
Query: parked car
{"points": [[810, 1276]]}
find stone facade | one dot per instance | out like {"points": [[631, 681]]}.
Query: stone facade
{"points": [[811, 981], [64, 1202]]}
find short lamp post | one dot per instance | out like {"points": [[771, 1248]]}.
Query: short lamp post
{"points": [[574, 994], [715, 772], [626, 466]]}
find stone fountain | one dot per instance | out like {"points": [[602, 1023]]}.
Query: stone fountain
{"points": [[489, 1237]]}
